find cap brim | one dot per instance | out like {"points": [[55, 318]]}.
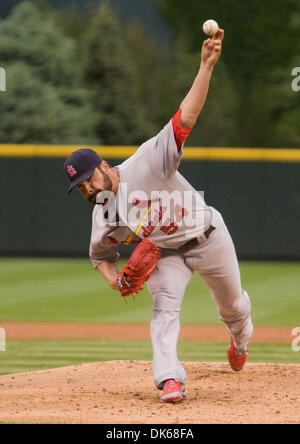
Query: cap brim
{"points": [[80, 179]]}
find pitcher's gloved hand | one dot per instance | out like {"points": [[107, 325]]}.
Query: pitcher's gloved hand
{"points": [[139, 267]]}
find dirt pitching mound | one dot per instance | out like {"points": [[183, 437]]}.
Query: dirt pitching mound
{"points": [[122, 392]]}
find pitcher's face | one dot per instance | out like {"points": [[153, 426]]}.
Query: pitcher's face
{"points": [[99, 181]]}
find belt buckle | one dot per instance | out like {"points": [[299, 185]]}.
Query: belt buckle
{"points": [[206, 234], [201, 239]]}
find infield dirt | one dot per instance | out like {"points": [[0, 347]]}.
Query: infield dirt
{"points": [[203, 333], [122, 392]]}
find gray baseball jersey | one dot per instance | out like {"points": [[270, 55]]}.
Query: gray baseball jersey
{"points": [[153, 199]]}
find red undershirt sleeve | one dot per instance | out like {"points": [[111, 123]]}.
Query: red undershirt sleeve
{"points": [[180, 133]]}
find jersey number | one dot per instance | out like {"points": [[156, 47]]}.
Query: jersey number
{"points": [[179, 215]]}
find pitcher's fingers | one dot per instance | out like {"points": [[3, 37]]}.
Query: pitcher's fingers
{"points": [[219, 35], [211, 44]]}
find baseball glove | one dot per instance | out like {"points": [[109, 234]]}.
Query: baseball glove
{"points": [[139, 267]]}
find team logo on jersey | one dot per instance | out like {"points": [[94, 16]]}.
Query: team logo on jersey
{"points": [[71, 170], [144, 203]]}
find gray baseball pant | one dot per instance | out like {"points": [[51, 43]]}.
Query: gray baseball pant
{"points": [[215, 260]]}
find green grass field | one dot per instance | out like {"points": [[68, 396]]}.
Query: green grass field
{"points": [[70, 291], [23, 356]]}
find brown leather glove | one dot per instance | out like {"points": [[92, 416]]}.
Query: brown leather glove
{"points": [[139, 267]]}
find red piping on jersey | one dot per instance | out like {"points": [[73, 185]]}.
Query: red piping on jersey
{"points": [[180, 133]]}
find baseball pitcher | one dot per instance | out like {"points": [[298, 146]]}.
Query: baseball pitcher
{"points": [[145, 201]]}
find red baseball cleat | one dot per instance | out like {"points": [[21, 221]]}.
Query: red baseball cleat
{"points": [[173, 391], [236, 360]]}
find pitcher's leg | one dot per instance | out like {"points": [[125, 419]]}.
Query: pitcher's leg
{"points": [[217, 263], [167, 286], [233, 302], [234, 308]]}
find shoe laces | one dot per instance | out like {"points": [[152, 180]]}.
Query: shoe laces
{"points": [[240, 353], [169, 384]]}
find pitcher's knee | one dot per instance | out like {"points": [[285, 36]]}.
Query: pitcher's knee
{"points": [[165, 300], [236, 310], [165, 316]]}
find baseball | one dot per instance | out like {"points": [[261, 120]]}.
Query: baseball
{"points": [[210, 27]]}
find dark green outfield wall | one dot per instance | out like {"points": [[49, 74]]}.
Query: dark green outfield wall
{"points": [[260, 203]]}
